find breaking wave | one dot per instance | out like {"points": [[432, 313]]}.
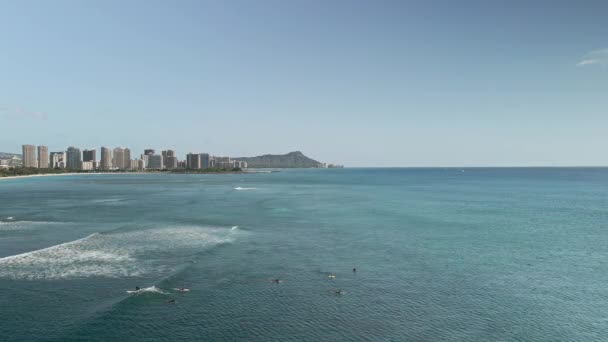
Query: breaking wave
{"points": [[151, 289], [115, 254], [12, 224]]}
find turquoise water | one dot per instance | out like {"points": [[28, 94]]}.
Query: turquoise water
{"points": [[441, 255]]}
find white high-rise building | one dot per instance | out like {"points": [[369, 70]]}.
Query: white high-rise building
{"points": [[43, 157], [29, 156], [224, 162], [134, 164], [88, 165], [122, 158], [144, 158], [106, 158]]}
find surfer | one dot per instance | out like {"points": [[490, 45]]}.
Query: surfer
{"points": [[171, 301], [339, 291], [354, 270], [137, 288], [276, 281]]}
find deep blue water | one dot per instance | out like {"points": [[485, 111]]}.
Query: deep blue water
{"points": [[478, 254]]}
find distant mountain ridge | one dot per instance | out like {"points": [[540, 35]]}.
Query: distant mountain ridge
{"points": [[295, 159], [6, 155]]}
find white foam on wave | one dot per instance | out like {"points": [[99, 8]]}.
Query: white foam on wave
{"points": [[240, 188], [10, 218], [131, 253], [151, 289], [11, 224], [79, 258]]}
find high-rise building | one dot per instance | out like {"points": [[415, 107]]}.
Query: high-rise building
{"points": [[144, 158], [88, 165], [89, 155], [171, 163], [43, 157], [106, 158], [224, 163], [134, 164], [193, 161], [118, 158], [57, 160], [155, 162], [205, 161], [29, 156], [122, 158], [74, 158], [127, 157], [169, 159]]}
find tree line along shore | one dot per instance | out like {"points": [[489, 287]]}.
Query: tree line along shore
{"points": [[32, 171]]}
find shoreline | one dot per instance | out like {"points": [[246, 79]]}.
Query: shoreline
{"points": [[65, 174], [131, 173]]}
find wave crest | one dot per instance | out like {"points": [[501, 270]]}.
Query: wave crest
{"points": [[115, 254]]}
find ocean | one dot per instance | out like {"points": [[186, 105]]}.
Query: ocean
{"points": [[441, 254]]}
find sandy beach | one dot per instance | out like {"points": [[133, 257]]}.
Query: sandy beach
{"points": [[73, 174], [133, 173]]}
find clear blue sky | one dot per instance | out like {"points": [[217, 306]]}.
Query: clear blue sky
{"points": [[364, 83]]}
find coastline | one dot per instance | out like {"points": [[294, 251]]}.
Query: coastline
{"points": [[131, 173], [67, 174]]}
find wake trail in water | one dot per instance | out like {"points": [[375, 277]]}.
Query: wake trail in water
{"points": [[151, 289]]}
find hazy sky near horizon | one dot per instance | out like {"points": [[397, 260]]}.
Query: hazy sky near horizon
{"points": [[364, 83]]}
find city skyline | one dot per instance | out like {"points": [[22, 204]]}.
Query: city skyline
{"points": [[407, 83], [119, 158], [98, 156]]}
